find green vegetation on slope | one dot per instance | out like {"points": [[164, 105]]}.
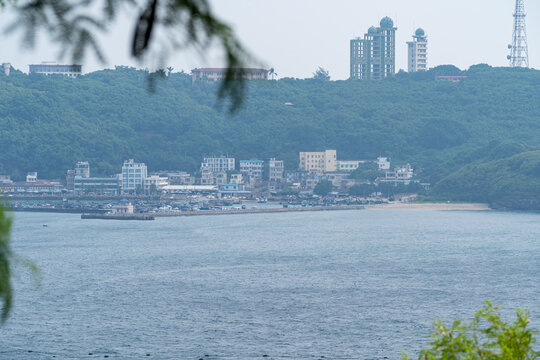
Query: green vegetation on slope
{"points": [[448, 130]]}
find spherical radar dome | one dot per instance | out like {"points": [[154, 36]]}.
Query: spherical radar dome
{"points": [[372, 30], [420, 32], [386, 22]]}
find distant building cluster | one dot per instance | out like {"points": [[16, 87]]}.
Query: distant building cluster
{"points": [[373, 57], [218, 174]]}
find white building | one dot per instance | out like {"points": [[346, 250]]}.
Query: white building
{"points": [[349, 165], [383, 163], [125, 207], [418, 52], [133, 175], [52, 68], [154, 182], [252, 169], [82, 169], [218, 164], [276, 169], [400, 174], [31, 177]]}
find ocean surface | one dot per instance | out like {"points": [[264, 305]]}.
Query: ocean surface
{"points": [[361, 284]]}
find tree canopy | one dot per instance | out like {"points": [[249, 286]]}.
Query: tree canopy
{"points": [[485, 127], [486, 337]]}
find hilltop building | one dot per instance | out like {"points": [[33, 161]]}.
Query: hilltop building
{"points": [[52, 68], [418, 52], [325, 161], [217, 74], [133, 176], [374, 56]]}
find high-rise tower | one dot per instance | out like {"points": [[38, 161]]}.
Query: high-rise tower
{"points": [[519, 52], [418, 51], [374, 56]]}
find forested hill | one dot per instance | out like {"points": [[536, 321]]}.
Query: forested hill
{"points": [[48, 123]]}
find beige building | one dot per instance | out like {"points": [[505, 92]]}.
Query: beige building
{"points": [[325, 161], [236, 179]]}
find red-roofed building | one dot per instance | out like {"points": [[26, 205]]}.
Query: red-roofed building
{"points": [[217, 74]]}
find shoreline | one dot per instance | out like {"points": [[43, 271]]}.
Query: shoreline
{"points": [[431, 206]]}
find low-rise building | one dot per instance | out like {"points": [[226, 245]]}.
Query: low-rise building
{"points": [[349, 165], [221, 178], [400, 174], [232, 189], [177, 177], [124, 207], [96, 186], [5, 179], [154, 183], [34, 187], [31, 177], [190, 189], [207, 177], [383, 163], [236, 178]]}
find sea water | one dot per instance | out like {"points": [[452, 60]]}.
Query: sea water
{"points": [[361, 284]]}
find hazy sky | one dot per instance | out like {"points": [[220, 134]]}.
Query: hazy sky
{"points": [[297, 36]]}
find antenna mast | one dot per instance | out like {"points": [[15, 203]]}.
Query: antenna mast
{"points": [[519, 52]]}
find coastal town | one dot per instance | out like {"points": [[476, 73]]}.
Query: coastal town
{"points": [[222, 182]]}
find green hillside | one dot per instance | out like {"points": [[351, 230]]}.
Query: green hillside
{"points": [[451, 131]]}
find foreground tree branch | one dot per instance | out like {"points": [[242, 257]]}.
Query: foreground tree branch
{"points": [[75, 25]]}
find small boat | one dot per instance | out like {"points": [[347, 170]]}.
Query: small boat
{"points": [[45, 225]]}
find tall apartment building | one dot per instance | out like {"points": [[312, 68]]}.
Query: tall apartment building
{"points": [[418, 51], [374, 56], [276, 169], [133, 175], [325, 161], [51, 68], [218, 164]]}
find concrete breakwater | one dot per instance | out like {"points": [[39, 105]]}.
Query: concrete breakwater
{"points": [[259, 210], [118, 216]]}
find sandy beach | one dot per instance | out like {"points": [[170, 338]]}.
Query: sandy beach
{"points": [[430, 206]]}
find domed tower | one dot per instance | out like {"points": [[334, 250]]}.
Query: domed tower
{"points": [[374, 56], [417, 50]]}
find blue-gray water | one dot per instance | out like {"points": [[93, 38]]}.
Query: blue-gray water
{"points": [[343, 285]]}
